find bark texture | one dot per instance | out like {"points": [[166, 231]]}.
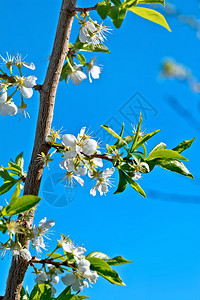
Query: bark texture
{"points": [[47, 99]]}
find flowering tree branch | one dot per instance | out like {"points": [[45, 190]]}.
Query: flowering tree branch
{"points": [[45, 116]]}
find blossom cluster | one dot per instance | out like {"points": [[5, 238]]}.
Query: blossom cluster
{"points": [[17, 82], [79, 160], [91, 34], [36, 235], [80, 276]]}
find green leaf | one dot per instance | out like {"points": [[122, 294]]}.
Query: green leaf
{"points": [[116, 2], [91, 48], [7, 186], [74, 297], [122, 130], [4, 174], [183, 146], [151, 2], [165, 154], [14, 168], [137, 134], [81, 59], [129, 3], [98, 254], [118, 260], [174, 166], [103, 8], [23, 295], [104, 270], [19, 160], [111, 131], [135, 185], [157, 147], [41, 292], [124, 141], [151, 15], [122, 183], [57, 256], [117, 14], [62, 296], [145, 138], [20, 205], [16, 192]]}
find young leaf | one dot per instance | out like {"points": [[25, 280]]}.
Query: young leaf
{"points": [[116, 2], [174, 166], [14, 168], [137, 134], [81, 59], [98, 255], [151, 2], [135, 185], [73, 297], [16, 192], [118, 260], [57, 256], [151, 15], [19, 160], [103, 8], [157, 147], [145, 138], [165, 154], [91, 48], [7, 186], [117, 14], [111, 131], [20, 205], [122, 183], [103, 269], [183, 146], [5, 175], [62, 296], [124, 141]]}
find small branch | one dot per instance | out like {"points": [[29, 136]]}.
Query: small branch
{"points": [[84, 9], [50, 261], [37, 87], [10, 79]]}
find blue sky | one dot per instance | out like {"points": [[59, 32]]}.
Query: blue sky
{"points": [[160, 233]]}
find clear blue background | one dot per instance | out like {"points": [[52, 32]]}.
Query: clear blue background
{"points": [[161, 233]]}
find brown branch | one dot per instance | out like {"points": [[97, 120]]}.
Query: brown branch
{"points": [[47, 99], [51, 262], [10, 79], [84, 9]]}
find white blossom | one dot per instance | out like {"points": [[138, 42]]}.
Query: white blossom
{"points": [[19, 61], [39, 232], [76, 75], [86, 31], [102, 181], [93, 33], [70, 248], [25, 85], [89, 146], [8, 108], [93, 72], [78, 279], [8, 61], [41, 277]]}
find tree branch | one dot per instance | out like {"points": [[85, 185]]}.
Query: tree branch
{"points": [[84, 9], [47, 99]]}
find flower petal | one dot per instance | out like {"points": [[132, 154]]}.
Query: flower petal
{"points": [[26, 92]]}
